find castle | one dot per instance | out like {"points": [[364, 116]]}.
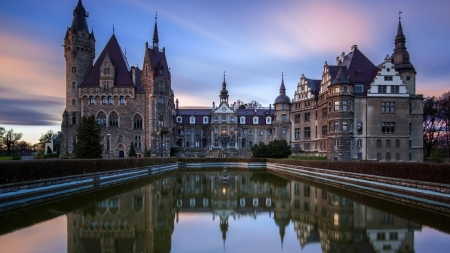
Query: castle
{"points": [[356, 111]]}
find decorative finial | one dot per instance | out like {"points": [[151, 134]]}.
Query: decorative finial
{"points": [[114, 29], [224, 74], [399, 12], [156, 16], [282, 74]]}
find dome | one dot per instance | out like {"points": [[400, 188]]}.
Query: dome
{"points": [[282, 99]]}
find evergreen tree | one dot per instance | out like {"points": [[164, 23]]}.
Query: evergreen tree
{"points": [[49, 150], [88, 139], [275, 149], [132, 152]]}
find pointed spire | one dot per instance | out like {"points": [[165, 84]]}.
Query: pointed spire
{"points": [[224, 92], [79, 18], [400, 57], [400, 29], [282, 88], [155, 32]]}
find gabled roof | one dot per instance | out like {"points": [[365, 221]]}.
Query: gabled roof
{"points": [[122, 75], [359, 68], [314, 85], [158, 62]]}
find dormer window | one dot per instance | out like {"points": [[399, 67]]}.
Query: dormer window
{"points": [[242, 120], [255, 120], [179, 119], [192, 120], [205, 120], [268, 120]]}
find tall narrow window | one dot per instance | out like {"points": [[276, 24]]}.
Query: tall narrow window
{"points": [[74, 118], [113, 119], [110, 101], [137, 122], [91, 100], [74, 85], [122, 100], [103, 100], [344, 105]]}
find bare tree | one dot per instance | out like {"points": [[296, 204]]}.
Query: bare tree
{"points": [[432, 123], [444, 111], [9, 139]]}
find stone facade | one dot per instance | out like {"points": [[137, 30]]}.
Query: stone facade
{"points": [[357, 110]]}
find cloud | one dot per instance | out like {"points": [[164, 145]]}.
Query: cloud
{"points": [[40, 111]]}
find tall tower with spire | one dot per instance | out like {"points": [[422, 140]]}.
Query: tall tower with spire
{"points": [[402, 62], [159, 104], [224, 92], [79, 51], [282, 106]]}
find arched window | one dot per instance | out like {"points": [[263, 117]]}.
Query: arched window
{"points": [[101, 119], [113, 119], [137, 122]]}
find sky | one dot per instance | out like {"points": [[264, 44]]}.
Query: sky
{"points": [[254, 41]]}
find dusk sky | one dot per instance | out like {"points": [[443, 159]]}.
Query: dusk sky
{"points": [[254, 41]]}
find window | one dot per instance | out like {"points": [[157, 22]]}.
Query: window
{"points": [[283, 107], [307, 132], [344, 105], [395, 89], [306, 146], [381, 236], [408, 78], [382, 89], [103, 100], [344, 126], [242, 120], [110, 101], [386, 218], [224, 118], [359, 155], [344, 89], [231, 119], [232, 143], [269, 131], [307, 116], [74, 118], [137, 122], [137, 141], [336, 126], [205, 120], [336, 106], [91, 100], [161, 85], [393, 236], [197, 144], [161, 100], [283, 130], [387, 78], [387, 107], [187, 144], [388, 143], [379, 156], [410, 128], [283, 118], [315, 135], [388, 127], [255, 120], [74, 102], [101, 119], [359, 88], [324, 112], [268, 120], [397, 143], [106, 71], [74, 70], [216, 130], [188, 132], [224, 130], [250, 132], [297, 118], [388, 156], [74, 85], [397, 156], [324, 130], [297, 133], [359, 143], [192, 120], [122, 100], [113, 119], [359, 127], [378, 143], [232, 130]]}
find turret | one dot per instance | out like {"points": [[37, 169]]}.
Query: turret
{"points": [[402, 62], [224, 92]]}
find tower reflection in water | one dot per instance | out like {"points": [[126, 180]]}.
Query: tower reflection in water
{"points": [[142, 220]]}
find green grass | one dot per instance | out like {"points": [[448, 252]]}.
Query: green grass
{"points": [[308, 158], [5, 158]]}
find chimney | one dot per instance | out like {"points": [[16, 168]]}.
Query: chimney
{"points": [[337, 60], [213, 106], [342, 56], [234, 106], [270, 107], [354, 47], [176, 104], [133, 75]]}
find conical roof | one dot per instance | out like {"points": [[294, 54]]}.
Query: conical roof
{"points": [[79, 22]]}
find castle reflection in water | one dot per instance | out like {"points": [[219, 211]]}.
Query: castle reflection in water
{"points": [[143, 220]]}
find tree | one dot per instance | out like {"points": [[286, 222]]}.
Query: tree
{"points": [[49, 150], [445, 115], [432, 123], [275, 149], [132, 152], [88, 139], [47, 136], [9, 139]]}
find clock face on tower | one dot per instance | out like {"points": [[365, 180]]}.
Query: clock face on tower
{"points": [[224, 109]]}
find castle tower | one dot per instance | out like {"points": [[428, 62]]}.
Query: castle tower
{"points": [[160, 106], [224, 92], [79, 51], [282, 106], [402, 62]]}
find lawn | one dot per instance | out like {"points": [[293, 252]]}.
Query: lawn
{"points": [[5, 158]]}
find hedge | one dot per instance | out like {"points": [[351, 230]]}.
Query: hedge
{"points": [[430, 172]]}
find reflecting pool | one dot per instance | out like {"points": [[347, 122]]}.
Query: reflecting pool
{"points": [[196, 211]]}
